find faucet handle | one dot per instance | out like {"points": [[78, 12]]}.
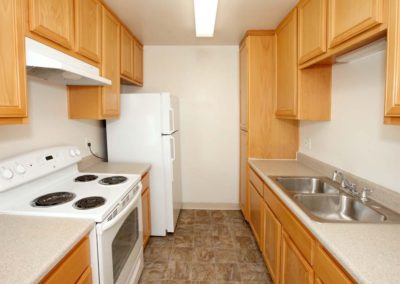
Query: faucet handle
{"points": [[335, 175], [364, 194]]}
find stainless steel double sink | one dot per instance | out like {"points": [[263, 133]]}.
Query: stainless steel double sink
{"points": [[324, 201]]}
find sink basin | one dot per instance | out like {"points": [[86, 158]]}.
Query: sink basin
{"points": [[306, 185], [338, 208]]}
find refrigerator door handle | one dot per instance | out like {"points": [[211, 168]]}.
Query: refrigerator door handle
{"points": [[173, 148], [172, 119]]}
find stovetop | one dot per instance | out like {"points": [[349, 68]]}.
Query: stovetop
{"points": [[100, 198]]}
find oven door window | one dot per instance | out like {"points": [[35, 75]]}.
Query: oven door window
{"points": [[124, 242]]}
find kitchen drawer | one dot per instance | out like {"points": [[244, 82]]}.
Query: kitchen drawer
{"points": [[256, 181], [145, 181], [327, 270], [300, 236], [70, 269]]}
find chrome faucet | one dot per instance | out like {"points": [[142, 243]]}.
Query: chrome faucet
{"points": [[364, 194], [348, 186]]}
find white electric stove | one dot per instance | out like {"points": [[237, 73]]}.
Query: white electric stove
{"points": [[47, 183]]}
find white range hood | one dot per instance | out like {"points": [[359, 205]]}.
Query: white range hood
{"points": [[50, 64]]}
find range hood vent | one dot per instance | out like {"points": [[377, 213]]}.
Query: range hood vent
{"points": [[53, 65]]}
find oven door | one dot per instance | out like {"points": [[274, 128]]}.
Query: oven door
{"points": [[120, 244]]}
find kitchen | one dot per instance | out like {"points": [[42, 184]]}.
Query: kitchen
{"points": [[303, 83]]}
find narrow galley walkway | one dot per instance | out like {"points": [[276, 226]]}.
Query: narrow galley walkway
{"points": [[213, 247]]}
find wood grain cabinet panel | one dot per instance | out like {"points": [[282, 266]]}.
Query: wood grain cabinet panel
{"points": [[327, 270], [348, 18], [88, 28], [294, 268], [127, 50], [13, 93], [272, 242], [256, 208], [286, 42], [312, 17], [110, 64], [87, 102], [73, 266], [243, 196], [244, 86], [392, 100], [146, 209], [86, 277], [138, 63], [54, 20]]}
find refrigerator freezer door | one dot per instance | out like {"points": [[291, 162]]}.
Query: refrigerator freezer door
{"points": [[172, 169], [170, 113]]}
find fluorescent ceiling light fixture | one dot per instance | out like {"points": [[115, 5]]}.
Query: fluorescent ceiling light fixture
{"points": [[205, 13]]}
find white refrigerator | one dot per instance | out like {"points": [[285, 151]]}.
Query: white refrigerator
{"points": [[147, 131]]}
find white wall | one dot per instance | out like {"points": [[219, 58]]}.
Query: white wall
{"points": [[356, 139], [206, 79], [49, 124]]}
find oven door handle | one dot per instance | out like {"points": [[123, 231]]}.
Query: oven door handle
{"points": [[124, 213]]}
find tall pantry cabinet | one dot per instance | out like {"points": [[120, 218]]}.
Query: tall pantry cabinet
{"points": [[261, 134]]}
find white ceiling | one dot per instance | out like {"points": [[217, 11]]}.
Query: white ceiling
{"points": [[171, 22]]}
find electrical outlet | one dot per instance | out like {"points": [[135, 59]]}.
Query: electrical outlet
{"points": [[307, 143], [87, 141]]}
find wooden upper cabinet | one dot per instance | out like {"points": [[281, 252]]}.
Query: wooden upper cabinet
{"points": [[348, 18], [244, 85], [392, 101], [110, 64], [88, 28], [294, 268], [54, 20], [272, 242], [312, 28], [138, 63], [286, 41], [127, 49], [13, 94]]}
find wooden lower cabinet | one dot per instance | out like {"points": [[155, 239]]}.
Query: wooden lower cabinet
{"points": [[326, 270], [146, 211], [272, 243], [256, 213], [243, 191], [291, 252], [74, 268], [294, 269]]}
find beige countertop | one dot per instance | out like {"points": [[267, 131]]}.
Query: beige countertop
{"points": [[118, 168], [31, 246], [369, 252]]}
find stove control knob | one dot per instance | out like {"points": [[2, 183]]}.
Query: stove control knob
{"points": [[77, 152], [7, 173], [72, 153], [20, 169]]}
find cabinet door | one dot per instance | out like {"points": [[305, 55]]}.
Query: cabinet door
{"points": [[294, 268], [138, 62], [86, 277], [243, 198], [348, 18], [146, 215], [53, 19], [88, 28], [13, 101], [244, 86], [272, 242], [327, 270], [127, 46], [312, 29], [256, 214], [286, 41], [392, 101], [110, 64]]}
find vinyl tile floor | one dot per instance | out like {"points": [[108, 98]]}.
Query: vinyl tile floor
{"points": [[213, 247]]}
